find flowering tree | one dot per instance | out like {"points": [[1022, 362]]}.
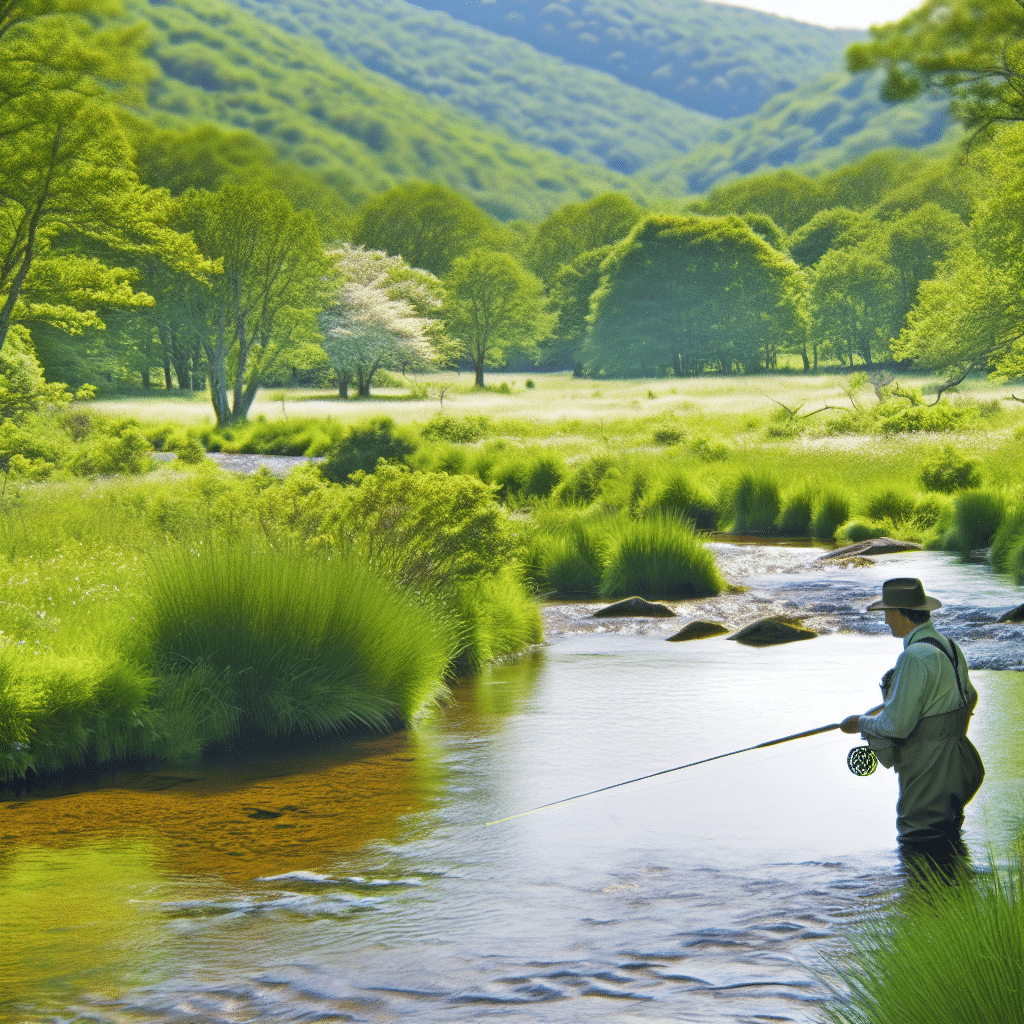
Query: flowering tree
{"points": [[380, 317]]}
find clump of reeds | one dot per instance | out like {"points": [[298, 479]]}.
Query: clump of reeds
{"points": [[797, 513], [945, 953], [977, 516], [755, 503], [571, 561], [677, 495], [1008, 543], [297, 643], [831, 510], [659, 557]]}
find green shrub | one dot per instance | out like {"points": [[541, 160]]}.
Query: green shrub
{"points": [[1008, 542], [709, 451], [659, 558], [755, 504], [929, 510], [191, 452], [455, 429], [896, 506], [797, 513], [831, 510], [113, 446], [949, 471], [947, 952], [667, 435], [299, 643], [530, 383], [977, 515], [678, 496], [364, 446], [855, 530]]}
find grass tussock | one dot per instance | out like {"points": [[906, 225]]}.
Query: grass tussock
{"points": [[755, 504], [977, 516], [659, 558], [947, 953]]}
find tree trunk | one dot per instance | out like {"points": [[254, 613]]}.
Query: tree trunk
{"points": [[479, 380], [677, 365], [343, 385], [807, 362], [167, 371]]}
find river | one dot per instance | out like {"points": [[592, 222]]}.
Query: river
{"points": [[360, 881]]}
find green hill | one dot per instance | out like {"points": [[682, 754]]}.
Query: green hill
{"points": [[720, 60], [353, 128]]}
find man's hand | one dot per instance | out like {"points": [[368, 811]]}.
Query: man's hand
{"points": [[850, 724]]}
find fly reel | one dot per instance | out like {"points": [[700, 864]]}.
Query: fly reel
{"points": [[861, 761]]}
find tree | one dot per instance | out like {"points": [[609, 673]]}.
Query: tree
{"points": [[578, 228], [822, 232], [427, 225], [273, 282], [381, 318], [571, 290], [70, 203], [493, 306], [682, 293], [971, 49]]}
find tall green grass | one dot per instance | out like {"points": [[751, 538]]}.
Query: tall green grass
{"points": [[571, 562], [946, 953], [797, 512], [678, 495], [755, 503], [977, 516], [659, 557], [831, 510], [303, 644]]}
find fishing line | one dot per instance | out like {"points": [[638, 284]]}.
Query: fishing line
{"points": [[669, 771]]}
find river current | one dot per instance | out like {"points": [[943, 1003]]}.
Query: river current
{"points": [[361, 881]]}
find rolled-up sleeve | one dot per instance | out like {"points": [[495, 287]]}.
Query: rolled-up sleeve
{"points": [[902, 709]]}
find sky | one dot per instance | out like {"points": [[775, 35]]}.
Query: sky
{"points": [[834, 13]]}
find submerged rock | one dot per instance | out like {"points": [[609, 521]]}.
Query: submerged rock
{"points": [[635, 607], [1013, 615], [699, 629], [775, 630], [874, 546]]}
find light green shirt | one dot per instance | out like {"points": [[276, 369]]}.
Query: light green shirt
{"points": [[923, 684]]}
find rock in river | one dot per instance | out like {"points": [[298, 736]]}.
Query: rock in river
{"points": [[1013, 615], [698, 629], [775, 630], [874, 546], [635, 607]]}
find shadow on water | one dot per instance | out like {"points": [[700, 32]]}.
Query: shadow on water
{"points": [[355, 880]]}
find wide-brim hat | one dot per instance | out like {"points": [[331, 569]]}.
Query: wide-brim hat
{"points": [[905, 592]]}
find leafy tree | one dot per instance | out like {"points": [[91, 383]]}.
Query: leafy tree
{"points": [[971, 49], [429, 226], [682, 293], [493, 306], [822, 232], [578, 228], [763, 226], [855, 300], [70, 203], [264, 303], [571, 290]]}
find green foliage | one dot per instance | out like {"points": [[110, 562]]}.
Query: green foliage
{"points": [[977, 515], [809, 242], [363, 446], [659, 557], [831, 510], [1008, 542], [456, 429], [583, 484], [681, 294], [571, 560], [895, 505], [949, 470], [796, 513], [295, 640], [678, 496], [755, 503], [946, 952]]}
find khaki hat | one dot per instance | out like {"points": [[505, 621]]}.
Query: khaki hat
{"points": [[905, 592]]}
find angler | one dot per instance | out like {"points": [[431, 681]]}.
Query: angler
{"points": [[921, 729]]}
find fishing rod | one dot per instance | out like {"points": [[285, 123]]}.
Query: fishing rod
{"points": [[861, 761]]}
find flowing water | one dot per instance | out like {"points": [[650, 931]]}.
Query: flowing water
{"points": [[359, 881]]}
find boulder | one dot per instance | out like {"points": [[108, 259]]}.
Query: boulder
{"points": [[634, 607], [1013, 615], [775, 630], [698, 629], [874, 546]]}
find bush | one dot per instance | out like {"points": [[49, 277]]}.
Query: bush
{"points": [[1008, 542], [659, 558], [855, 530], [949, 471], [583, 485], [831, 510], [678, 496], [455, 429], [113, 446], [363, 447], [666, 436], [896, 506], [572, 562], [755, 504], [977, 515], [709, 451], [191, 452]]}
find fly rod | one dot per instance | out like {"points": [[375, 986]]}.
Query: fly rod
{"points": [[678, 768]]}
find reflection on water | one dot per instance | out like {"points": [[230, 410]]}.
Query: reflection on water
{"points": [[356, 881]]}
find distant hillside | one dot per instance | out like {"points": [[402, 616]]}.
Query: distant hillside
{"points": [[356, 129], [720, 60]]}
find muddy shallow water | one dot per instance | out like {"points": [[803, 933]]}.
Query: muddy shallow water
{"points": [[358, 881]]}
